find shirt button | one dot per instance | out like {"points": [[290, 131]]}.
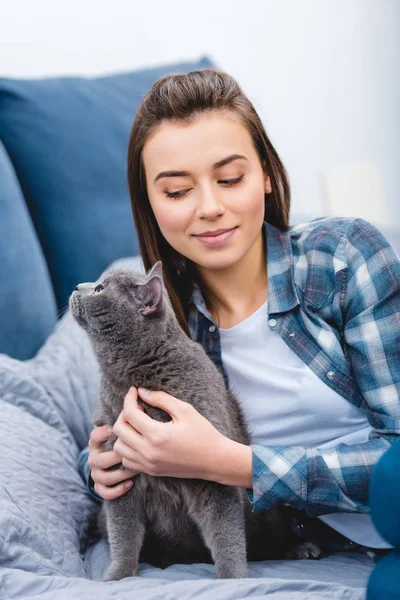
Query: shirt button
{"points": [[272, 322], [211, 329], [330, 374]]}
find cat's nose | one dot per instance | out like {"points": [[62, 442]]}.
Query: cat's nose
{"points": [[81, 287]]}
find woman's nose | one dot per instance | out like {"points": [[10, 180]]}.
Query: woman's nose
{"points": [[210, 205]]}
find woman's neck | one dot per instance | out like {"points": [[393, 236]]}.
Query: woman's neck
{"points": [[237, 292]]}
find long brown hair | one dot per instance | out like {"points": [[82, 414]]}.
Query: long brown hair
{"points": [[181, 98]]}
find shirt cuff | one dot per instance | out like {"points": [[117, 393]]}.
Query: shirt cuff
{"points": [[84, 471], [279, 475]]}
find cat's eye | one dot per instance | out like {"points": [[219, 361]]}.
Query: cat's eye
{"points": [[99, 288]]}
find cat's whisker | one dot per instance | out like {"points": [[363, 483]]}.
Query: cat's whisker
{"points": [[62, 311]]}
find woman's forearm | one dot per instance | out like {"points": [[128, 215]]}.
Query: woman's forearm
{"points": [[232, 464]]}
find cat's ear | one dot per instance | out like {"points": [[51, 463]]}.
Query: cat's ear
{"points": [[152, 297], [156, 270]]}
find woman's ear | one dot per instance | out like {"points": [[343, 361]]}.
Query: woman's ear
{"points": [[267, 180]]}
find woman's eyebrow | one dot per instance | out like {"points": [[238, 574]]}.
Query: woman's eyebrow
{"points": [[217, 165]]}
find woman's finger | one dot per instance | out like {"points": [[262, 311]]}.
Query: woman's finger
{"points": [[131, 451], [128, 434], [98, 435], [111, 493], [111, 477], [135, 415], [173, 406], [103, 460], [132, 466]]}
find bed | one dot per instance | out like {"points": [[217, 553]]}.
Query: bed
{"points": [[46, 404]]}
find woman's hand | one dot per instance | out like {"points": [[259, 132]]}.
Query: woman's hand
{"points": [[188, 446], [99, 461]]}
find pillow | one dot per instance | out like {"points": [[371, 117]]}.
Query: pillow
{"points": [[27, 303], [44, 507], [67, 138]]}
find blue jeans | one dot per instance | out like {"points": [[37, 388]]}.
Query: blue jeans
{"points": [[384, 502], [314, 530]]}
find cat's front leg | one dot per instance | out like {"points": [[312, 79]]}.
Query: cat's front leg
{"points": [[125, 518], [218, 512]]}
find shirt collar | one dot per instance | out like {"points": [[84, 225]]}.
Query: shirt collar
{"points": [[282, 295]]}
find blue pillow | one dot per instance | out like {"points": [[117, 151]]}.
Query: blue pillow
{"points": [[27, 304], [67, 138]]}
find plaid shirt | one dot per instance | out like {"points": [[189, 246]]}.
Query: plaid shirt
{"points": [[334, 298]]}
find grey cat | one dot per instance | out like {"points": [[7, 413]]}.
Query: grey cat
{"points": [[164, 520]]}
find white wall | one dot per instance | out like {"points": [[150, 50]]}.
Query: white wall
{"points": [[323, 74]]}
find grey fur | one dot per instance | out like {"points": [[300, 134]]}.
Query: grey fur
{"points": [[139, 342]]}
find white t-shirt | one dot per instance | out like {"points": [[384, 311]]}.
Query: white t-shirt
{"points": [[286, 404]]}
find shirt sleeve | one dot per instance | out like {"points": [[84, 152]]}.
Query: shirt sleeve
{"points": [[84, 470], [326, 480]]}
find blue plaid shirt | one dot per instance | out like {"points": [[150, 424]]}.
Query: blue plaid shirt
{"points": [[334, 298]]}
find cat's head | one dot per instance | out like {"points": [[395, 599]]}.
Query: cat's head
{"points": [[122, 304]]}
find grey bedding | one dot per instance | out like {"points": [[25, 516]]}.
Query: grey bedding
{"points": [[45, 409]]}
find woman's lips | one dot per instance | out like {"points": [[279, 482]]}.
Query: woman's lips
{"points": [[216, 240]]}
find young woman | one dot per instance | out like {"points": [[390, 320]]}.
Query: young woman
{"points": [[304, 322]]}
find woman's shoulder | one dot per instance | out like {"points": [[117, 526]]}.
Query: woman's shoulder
{"points": [[320, 227], [337, 237], [328, 248]]}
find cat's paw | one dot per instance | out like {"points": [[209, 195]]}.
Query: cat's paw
{"points": [[304, 551], [115, 572], [232, 572]]}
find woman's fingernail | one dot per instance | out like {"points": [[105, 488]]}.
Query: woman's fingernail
{"points": [[128, 484], [109, 430], [143, 391]]}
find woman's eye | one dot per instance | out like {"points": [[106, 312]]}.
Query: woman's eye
{"points": [[231, 181], [99, 288], [228, 182], [174, 194]]}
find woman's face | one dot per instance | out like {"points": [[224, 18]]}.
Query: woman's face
{"points": [[190, 194]]}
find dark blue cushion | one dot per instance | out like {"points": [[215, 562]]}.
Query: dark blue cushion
{"points": [[27, 305], [384, 497], [384, 501], [384, 582], [67, 138]]}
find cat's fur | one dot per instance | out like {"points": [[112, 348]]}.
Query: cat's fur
{"points": [[139, 342]]}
